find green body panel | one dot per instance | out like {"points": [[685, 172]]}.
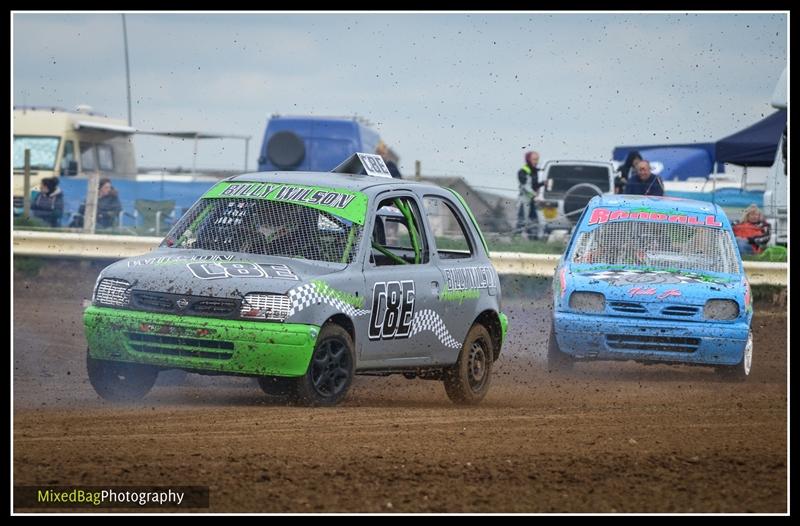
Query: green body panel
{"points": [[341, 203], [259, 347], [459, 296], [503, 326], [323, 289]]}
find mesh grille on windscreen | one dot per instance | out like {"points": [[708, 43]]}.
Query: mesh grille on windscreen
{"points": [[255, 226], [658, 245]]}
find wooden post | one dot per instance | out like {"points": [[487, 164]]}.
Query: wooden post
{"points": [[417, 170], [26, 188], [90, 210]]}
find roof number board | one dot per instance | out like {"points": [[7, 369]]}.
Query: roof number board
{"points": [[374, 165]]}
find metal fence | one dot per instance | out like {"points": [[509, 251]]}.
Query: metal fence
{"points": [[74, 245]]}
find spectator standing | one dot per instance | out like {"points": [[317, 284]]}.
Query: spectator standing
{"points": [[48, 205], [644, 182], [752, 231], [528, 175], [383, 151], [625, 170]]}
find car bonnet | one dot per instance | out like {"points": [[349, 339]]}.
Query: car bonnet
{"points": [[215, 274], [651, 285]]}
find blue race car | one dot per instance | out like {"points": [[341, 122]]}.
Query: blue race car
{"points": [[652, 279]]}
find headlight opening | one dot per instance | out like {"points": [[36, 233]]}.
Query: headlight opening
{"points": [[113, 292], [587, 302], [721, 310], [272, 307]]}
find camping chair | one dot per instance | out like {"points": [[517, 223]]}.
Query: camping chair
{"points": [[774, 253]]}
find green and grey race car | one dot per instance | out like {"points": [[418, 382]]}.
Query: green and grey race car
{"points": [[304, 280]]}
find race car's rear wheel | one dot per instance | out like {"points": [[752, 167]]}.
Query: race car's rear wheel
{"points": [[331, 370], [120, 382], [557, 360], [741, 371], [467, 382]]}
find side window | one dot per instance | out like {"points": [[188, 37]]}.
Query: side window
{"points": [[105, 157], [88, 162], [447, 228], [398, 237], [68, 157], [574, 235]]}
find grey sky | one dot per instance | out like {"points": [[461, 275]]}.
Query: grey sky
{"points": [[466, 94]]}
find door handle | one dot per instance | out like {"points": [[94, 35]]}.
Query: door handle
{"points": [[435, 287]]}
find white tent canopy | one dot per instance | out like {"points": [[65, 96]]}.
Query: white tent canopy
{"points": [[197, 135]]}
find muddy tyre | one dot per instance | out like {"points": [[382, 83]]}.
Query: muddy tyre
{"points": [[741, 371], [118, 381], [173, 377], [467, 382], [278, 386], [557, 361], [330, 371]]}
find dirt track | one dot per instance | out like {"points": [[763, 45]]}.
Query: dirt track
{"points": [[609, 437]]}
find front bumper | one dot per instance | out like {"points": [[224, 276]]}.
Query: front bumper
{"points": [[625, 338], [503, 327], [200, 344]]}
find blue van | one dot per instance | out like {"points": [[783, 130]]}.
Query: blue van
{"points": [[313, 144]]}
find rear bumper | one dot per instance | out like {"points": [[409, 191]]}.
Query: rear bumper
{"points": [[624, 338], [201, 344]]}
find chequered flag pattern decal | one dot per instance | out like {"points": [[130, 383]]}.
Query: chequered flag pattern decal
{"points": [[425, 320], [429, 320], [307, 295]]}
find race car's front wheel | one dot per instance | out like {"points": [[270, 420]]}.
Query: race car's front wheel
{"points": [[741, 371], [467, 382], [556, 359], [331, 370], [120, 382], [277, 386]]}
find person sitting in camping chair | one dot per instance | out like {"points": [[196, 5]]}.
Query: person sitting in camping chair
{"points": [[108, 207], [752, 231]]}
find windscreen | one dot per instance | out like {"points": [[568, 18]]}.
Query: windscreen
{"points": [[667, 246], [270, 228], [43, 152]]}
